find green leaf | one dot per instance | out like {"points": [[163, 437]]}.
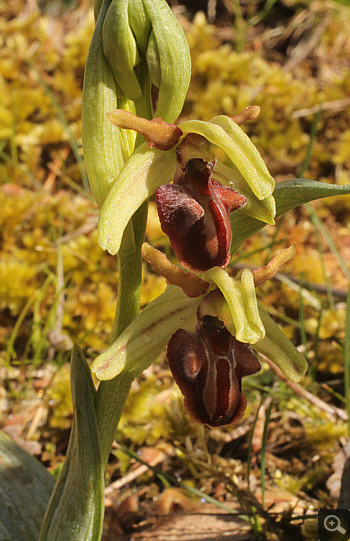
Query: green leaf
{"points": [[146, 337], [288, 194], [25, 489], [343, 2], [77, 504]]}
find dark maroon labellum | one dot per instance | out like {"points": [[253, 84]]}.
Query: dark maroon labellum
{"points": [[208, 366], [194, 213]]}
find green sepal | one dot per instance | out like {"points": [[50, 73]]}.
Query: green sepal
{"points": [[101, 141], [174, 59], [288, 195], [146, 337], [261, 209], [77, 504], [225, 134], [143, 173], [120, 49], [25, 489], [280, 350], [242, 304]]}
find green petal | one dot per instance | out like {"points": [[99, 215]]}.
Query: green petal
{"points": [[263, 210], [143, 173], [224, 133], [146, 337], [241, 300], [280, 350], [288, 194]]}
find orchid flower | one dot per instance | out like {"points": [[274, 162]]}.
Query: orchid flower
{"points": [[211, 326], [208, 366], [215, 169]]}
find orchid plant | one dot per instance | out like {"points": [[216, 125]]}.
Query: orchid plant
{"points": [[213, 191]]}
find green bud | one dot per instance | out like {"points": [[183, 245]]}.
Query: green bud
{"points": [[101, 141], [153, 61], [168, 49], [120, 49], [136, 43], [140, 24]]}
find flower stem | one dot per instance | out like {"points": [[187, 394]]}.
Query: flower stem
{"points": [[111, 395]]}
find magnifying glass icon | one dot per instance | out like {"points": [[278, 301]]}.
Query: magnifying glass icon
{"points": [[332, 524]]}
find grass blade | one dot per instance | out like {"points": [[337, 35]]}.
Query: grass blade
{"points": [[263, 453]]}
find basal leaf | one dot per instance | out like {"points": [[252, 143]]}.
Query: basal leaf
{"points": [[76, 507], [25, 489]]}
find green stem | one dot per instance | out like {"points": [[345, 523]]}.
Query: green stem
{"points": [[109, 403], [111, 395]]}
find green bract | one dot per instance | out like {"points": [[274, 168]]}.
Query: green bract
{"points": [[101, 143]]}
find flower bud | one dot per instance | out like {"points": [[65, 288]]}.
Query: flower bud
{"points": [[168, 59], [120, 49], [136, 43]]}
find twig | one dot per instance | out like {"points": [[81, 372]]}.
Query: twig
{"points": [[332, 410], [310, 286], [325, 106], [89, 225], [132, 475], [306, 46], [57, 338]]}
